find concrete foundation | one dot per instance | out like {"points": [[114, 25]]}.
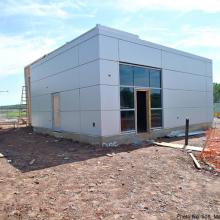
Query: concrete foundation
{"points": [[124, 138]]}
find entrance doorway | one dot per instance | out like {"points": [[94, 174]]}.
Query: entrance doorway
{"points": [[142, 110]]}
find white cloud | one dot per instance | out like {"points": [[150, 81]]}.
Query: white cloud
{"points": [[199, 37], [58, 9], [209, 6], [21, 48], [18, 51]]}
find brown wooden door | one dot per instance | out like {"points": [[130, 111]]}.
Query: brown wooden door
{"points": [[56, 111]]}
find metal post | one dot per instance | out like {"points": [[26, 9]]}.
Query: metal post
{"points": [[187, 132]]}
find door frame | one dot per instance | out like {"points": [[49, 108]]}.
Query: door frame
{"points": [[53, 113], [148, 108]]}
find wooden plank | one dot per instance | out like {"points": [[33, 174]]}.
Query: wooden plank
{"points": [[27, 84], [195, 161], [177, 146], [56, 110], [194, 148], [172, 145]]}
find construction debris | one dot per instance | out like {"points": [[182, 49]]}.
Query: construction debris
{"points": [[32, 162], [174, 134], [178, 146], [211, 151], [110, 155], [195, 161]]}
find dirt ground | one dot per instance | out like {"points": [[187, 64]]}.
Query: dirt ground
{"points": [[42, 177]]}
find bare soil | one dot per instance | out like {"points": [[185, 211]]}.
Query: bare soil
{"points": [[42, 177]]}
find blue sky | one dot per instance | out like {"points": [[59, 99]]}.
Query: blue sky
{"points": [[30, 29]]}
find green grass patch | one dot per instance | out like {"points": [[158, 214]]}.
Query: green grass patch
{"points": [[14, 114]]}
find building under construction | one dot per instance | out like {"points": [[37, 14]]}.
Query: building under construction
{"points": [[109, 86]]}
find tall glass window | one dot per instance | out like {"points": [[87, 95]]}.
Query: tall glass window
{"points": [[156, 98], [156, 118], [126, 75], [131, 77], [127, 98], [127, 120], [155, 78], [141, 76]]}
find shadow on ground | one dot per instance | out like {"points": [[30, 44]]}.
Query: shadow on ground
{"points": [[28, 151]]}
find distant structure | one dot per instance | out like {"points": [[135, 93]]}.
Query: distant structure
{"points": [[109, 86]]}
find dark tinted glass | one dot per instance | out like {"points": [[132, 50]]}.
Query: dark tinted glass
{"points": [[127, 97], [141, 76], [155, 78], [126, 75], [155, 98], [127, 121], [156, 118]]}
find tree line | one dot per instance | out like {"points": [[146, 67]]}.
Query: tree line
{"points": [[216, 92], [7, 107]]}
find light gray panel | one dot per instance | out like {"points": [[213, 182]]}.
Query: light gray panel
{"points": [[70, 121], [42, 119], [61, 62], [110, 97], [73, 43], [181, 98], [139, 54], [69, 100], [41, 71], [90, 98], [175, 117], [108, 48], [210, 106], [38, 88], [210, 99], [117, 33], [89, 50], [91, 122], [109, 72], [182, 63], [209, 84], [184, 81], [209, 69], [67, 80], [210, 115], [110, 123], [89, 74], [41, 103]]}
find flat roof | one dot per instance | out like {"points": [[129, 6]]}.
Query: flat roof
{"points": [[123, 35]]}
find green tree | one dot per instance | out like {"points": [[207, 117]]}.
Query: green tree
{"points": [[216, 92]]}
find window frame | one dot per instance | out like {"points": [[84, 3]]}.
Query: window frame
{"points": [[158, 127], [139, 88], [124, 108], [132, 130]]}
